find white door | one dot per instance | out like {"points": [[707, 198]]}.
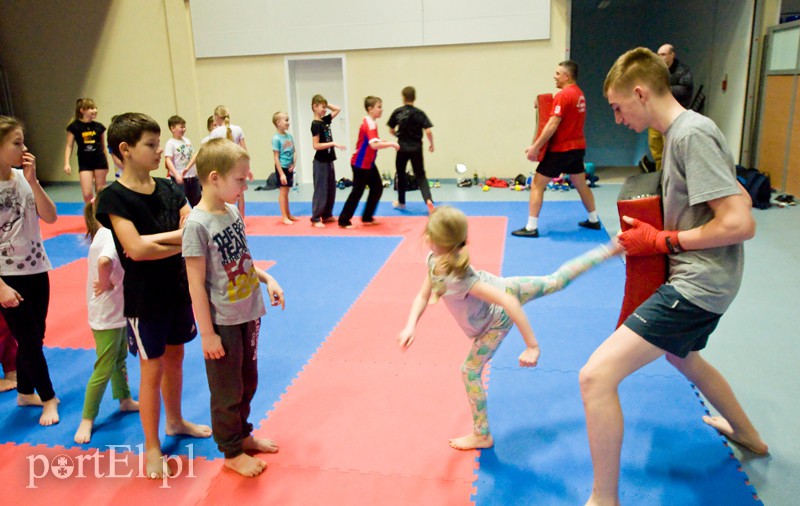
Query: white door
{"points": [[308, 77]]}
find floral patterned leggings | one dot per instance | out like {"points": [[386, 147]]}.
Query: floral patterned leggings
{"points": [[525, 289]]}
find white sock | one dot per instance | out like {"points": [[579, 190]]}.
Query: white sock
{"points": [[533, 223], [593, 217]]}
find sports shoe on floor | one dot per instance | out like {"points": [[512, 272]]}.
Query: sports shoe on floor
{"points": [[524, 232], [594, 225]]}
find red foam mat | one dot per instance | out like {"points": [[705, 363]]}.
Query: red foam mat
{"points": [[67, 316]]}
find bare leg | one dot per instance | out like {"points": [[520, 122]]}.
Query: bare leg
{"points": [[86, 177], [149, 412], [614, 360], [100, 176], [283, 204], [537, 194], [734, 422], [171, 390], [587, 197]]}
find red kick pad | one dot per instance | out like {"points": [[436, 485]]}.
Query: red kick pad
{"points": [[640, 197], [544, 109]]}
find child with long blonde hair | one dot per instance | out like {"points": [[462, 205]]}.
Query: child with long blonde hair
{"points": [[223, 129], [105, 304], [484, 305]]}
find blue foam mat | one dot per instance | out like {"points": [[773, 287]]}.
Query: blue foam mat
{"points": [[318, 297], [541, 453]]}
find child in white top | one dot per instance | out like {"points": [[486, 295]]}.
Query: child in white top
{"points": [[224, 130], [24, 280], [105, 304]]}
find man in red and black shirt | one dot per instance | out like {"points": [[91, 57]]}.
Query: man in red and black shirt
{"points": [[565, 149]]}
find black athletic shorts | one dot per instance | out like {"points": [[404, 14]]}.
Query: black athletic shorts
{"points": [[567, 162], [668, 320]]}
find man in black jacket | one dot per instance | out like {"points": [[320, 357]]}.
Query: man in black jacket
{"points": [[682, 86]]}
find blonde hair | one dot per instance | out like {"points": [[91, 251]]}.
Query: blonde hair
{"points": [[81, 104], [220, 156], [447, 229], [638, 66], [276, 116], [222, 112]]}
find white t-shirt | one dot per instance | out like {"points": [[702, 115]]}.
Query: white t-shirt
{"points": [[221, 132], [106, 309], [181, 152], [21, 246]]}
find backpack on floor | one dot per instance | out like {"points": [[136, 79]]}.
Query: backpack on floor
{"points": [[757, 185], [411, 182]]}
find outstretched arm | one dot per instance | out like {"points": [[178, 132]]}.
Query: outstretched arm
{"points": [[406, 336], [494, 295]]}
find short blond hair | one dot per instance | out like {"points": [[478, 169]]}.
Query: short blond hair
{"points": [[220, 156], [276, 116], [638, 66]]}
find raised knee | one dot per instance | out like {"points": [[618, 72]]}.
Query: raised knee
{"points": [[591, 382]]}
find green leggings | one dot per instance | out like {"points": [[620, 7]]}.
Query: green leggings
{"points": [[525, 289], [112, 348]]}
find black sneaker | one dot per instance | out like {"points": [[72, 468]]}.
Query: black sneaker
{"points": [[594, 225], [524, 232], [646, 165]]}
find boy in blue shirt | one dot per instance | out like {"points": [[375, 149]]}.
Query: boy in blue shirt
{"points": [[285, 159]]}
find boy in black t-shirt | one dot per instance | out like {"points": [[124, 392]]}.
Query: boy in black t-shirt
{"points": [[324, 173], [145, 215], [407, 124]]}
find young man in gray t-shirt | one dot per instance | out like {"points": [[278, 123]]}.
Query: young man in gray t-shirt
{"points": [[707, 216]]}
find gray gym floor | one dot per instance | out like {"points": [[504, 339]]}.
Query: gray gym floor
{"points": [[754, 346]]}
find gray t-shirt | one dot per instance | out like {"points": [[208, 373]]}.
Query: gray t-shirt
{"points": [[473, 315], [698, 167], [234, 292]]}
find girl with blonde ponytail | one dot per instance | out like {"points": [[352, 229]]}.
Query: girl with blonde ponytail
{"points": [[485, 306], [223, 129]]}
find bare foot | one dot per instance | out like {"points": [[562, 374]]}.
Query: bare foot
{"points": [[330, 219], [128, 404], [472, 442], [84, 432], [431, 207], [246, 465], [156, 466], [318, 224], [49, 412], [29, 400], [397, 205], [287, 221], [293, 218], [185, 428], [7, 384], [754, 443], [370, 223], [259, 445]]}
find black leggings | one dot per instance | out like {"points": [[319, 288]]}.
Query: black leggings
{"points": [[418, 166], [361, 179], [27, 324]]}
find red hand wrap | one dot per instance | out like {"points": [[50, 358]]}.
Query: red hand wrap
{"points": [[643, 239]]}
